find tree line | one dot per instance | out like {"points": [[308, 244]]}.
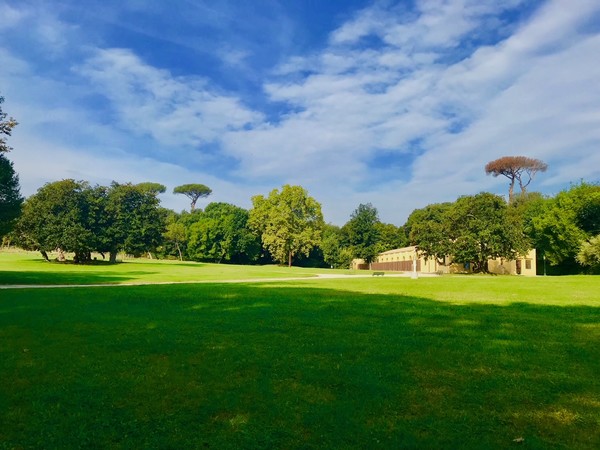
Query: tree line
{"points": [[287, 226]]}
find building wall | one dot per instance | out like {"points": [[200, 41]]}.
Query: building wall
{"points": [[401, 259], [525, 265]]}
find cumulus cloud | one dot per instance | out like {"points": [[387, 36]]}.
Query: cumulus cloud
{"points": [[175, 111], [530, 92], [400, 106]]}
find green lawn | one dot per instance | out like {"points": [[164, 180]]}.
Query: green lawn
{"points": [[449, 362], [30, 268]]}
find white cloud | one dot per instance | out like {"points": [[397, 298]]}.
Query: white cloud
{"points": [[43, 29], [11, 17], [412, 85], [533, 93], [175, 111]]}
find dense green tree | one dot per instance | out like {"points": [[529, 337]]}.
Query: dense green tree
{"points": [[6, 126], [335, 254], [588, 213], [133, 222], [479, 229], [472, 230], [565, 222], [221, 233], [524, 208], [58, 216], [390, 237], [362, 232], [176, 233], [193, 192], [290, 222], [10, 196], [427, 229], [74, 217]]}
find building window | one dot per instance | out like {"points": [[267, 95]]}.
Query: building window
{"points": [[528, 264]]}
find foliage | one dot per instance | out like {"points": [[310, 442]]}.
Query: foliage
{"points": [[59, 216], [6, 126], [176, 233], [193, 192], [221, 234], [289, 222], [588, 213], [390, 237], [427, 228], [515, 168], [154, 188], [565, 222], [75, 217], [335, 254], [479, 229], [589, 253], [362, 232], [134, 223], [10, 196], [472, 230], [524, 208]]}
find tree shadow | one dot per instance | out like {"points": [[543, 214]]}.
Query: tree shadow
{"points": [[33, 278], [260, 365]]}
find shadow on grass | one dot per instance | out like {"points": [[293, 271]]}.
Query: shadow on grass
{"points": [[258, 366], [46, 277], [161, 262]]}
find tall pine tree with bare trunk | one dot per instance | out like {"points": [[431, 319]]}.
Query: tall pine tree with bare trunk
{"points": [[193, 192], [516, 168]]}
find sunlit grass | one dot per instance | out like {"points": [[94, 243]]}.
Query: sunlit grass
{"points": [[468, 289], [30, 268]]}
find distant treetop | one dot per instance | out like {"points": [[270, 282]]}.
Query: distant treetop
{"points": [[514, 168], [193, 192], [154, 188]]}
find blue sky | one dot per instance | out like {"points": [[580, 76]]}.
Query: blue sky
{"points": [[397, 103]]}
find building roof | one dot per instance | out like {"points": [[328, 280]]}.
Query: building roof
{"points": [[409, 249]]}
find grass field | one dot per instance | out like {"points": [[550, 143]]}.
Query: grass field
{"points": [[30, 268], [448, 362]]}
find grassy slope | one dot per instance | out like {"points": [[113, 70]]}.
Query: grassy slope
{"points": [[451, 362]]}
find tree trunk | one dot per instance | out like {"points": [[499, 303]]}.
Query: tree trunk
{"points": [[511, 190], [480, 266], [179, 250], [44, 255], [113, 256], [290, 259]]}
